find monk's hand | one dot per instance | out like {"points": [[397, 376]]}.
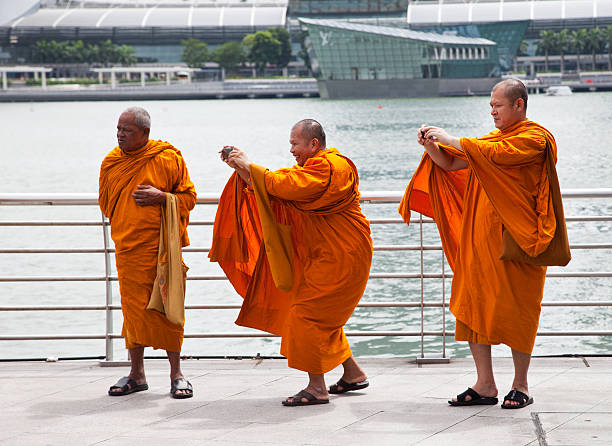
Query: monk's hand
{"points": [[433, 134], [146, 195], [238, 160]]}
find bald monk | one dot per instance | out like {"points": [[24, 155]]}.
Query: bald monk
{"points": [[473, 188], [327, 250], [134, 179]]}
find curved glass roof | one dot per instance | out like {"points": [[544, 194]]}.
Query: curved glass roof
{"points": [[400, 32], [475, 11], [186, 17]]}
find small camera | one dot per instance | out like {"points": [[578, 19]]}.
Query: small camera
{"points": [[225, 151]]}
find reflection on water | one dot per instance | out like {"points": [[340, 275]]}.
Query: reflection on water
{"points": [[64, 152]]}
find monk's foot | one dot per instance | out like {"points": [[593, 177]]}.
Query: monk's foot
{"points": [[179, 387], [348, 383], [518, 397], [128, 384], [308, 396], [485, 391]]}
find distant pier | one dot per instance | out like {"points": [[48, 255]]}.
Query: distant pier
{"points": [[230, 89]]}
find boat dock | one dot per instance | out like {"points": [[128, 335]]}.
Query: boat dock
{"points": [[238, 402]]}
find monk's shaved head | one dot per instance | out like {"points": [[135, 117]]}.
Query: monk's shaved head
{"points": [[310, 129], [513, 89]]}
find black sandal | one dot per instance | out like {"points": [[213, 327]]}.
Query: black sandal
{"points": [[347, 387], [518, 397], [127, 385], [181, 384], [476, 399], [310, 399]]}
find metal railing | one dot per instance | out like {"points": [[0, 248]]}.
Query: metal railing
{"points": [[375, 197]]}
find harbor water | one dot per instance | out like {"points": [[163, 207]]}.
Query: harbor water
{"points": [[58, 148]]}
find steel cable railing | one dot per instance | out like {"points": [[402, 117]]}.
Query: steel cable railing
{"points": [[375, 197]]}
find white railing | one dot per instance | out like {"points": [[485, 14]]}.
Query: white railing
{"points": [[375, 197]]}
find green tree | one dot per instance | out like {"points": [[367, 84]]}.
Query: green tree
{"points": [[594, 41], [125, 55], [262, 49], [607, 39], [547, 43], [195, 53], [563, 45], [281, 34], [229, 56], [578, 40], [106, 53]]}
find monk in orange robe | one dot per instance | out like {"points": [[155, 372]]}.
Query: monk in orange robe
{"points": [[296, 246], [474, 188], [134, 179]]}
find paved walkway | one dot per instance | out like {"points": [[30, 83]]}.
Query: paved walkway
{"points": [[238, 403]]}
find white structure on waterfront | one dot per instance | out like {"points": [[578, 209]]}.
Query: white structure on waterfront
{"points": [[42, 71], [143, 71]]}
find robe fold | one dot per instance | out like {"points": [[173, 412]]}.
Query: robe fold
{"points": [[330, 253], [135, 232], [506, 185]]}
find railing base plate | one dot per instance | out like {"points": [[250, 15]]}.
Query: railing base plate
{"points": [[115, 363], [433, 360]]}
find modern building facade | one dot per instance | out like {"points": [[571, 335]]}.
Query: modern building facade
{"points": [[154, 31], [358, 60]]}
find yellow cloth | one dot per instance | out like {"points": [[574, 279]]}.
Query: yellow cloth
{"points": [[135, 231], [168, 295], [505, 185], [331, 256]]}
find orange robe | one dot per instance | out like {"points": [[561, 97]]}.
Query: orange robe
{"points": [[505, 185], [135, 231], [331, 251]]}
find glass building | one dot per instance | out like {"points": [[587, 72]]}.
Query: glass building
{"points": [[354, 51]]}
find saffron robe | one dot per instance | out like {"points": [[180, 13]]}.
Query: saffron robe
{"points": [[330, 256], [135, 231], [505, 186]]}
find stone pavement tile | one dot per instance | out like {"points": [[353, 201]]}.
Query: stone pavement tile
{"points": [[591, 429], [402, 426], [185, 427], [485, 430], [287, 433], [50, 439], [121, 440]]}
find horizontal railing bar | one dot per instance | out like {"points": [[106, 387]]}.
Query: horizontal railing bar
{"points": [[427, 304], [585, 274], [196, 249], [210, 198], [68, 337], [37, 223]]}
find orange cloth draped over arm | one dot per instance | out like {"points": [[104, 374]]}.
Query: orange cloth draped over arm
{"points": [[331, 258], [135, 232], [506, 186]]}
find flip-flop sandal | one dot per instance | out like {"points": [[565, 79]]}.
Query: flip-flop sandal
{"points": [[347, 387], [181, 384], [297, 399], [476, 400], [126, 385], [519, 397]]}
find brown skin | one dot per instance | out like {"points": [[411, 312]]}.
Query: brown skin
{"points": [[130, 138], [505, 113], [302, 150]]}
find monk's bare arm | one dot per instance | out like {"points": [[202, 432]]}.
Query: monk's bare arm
{"points": [[429, 136], [239, 161]]}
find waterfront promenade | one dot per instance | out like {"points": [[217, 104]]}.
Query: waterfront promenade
{"points": [[237, 402]]}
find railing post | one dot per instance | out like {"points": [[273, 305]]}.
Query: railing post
{"points": [[443, 307], [422, 251], [109, 291]]}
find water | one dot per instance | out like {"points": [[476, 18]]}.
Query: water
{"points": [[58, 147]]}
